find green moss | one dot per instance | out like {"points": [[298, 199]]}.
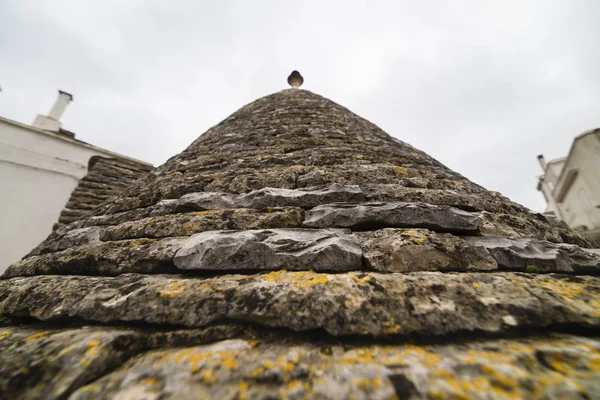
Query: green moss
{"points": [[532, 269]]}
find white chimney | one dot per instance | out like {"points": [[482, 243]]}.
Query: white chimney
{"points": [[51, 122]]}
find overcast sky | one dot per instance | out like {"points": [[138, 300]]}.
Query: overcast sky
{"points": [[482, 86]]}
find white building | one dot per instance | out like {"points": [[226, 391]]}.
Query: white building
{"points": [[571, 185], [40, 165]]}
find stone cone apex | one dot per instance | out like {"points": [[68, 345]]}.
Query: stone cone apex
{"points": [[295, 250]]}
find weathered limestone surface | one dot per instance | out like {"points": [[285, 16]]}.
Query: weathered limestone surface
{"points": [[50, 363], [304, 198], [190, 223], [106, 178], [375, 304], [204, 201], [409, 250], [392, 215], [106, 258], [549, 367], [269, 188], [290, 249], [72, 238], [543, 256]]}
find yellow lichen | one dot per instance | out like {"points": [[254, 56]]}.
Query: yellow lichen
{"points": [[140, 242], [415, 236], [392, 326], [204, 212], [288, 367], [362, 280], [172, 290], [243, 390], [37, 336], [569, 290], [5, 334], [93, 349], [304, 279], [400, 170], [149, 381]]}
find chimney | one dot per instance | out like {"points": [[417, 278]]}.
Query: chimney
{"points": [[51, 122], [542, 162]]}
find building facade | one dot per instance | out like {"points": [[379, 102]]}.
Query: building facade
{"points": [[40, 166], [571, 185]]}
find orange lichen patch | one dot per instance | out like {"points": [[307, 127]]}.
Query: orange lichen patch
{"points": [[149, 381], [173, 289], [288, 367], [187, 228], [392, 326], [476, 285], [362, 280], [205, 212], [400, 170], [570, 290], [243, 390], [5, 334], [93, 349], [304, 279], [230, 363], [207, 363], [140, 242], [414, 236], [37, 336], [367, 383]]}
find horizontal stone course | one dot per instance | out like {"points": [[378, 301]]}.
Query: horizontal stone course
{"points": [[43, 362], [277, 367], [189, 223], [105, 258], [540, 255], [373, 304]]}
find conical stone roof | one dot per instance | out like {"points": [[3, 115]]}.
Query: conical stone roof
{"points": [[295, 250]]}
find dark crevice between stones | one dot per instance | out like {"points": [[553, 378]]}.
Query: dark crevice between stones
{"points": [[169, 268], [375, 225], [253, 329]]}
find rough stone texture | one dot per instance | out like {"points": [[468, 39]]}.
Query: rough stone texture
{"points": [[548, 367], [375, 304], [50, 364], [203, 201], [409, 250], [108, 258], [106, 178], [289, 164], [290, 249], [518, 253], [305, 198], [190, 223], [72, 238], [392, 215]]}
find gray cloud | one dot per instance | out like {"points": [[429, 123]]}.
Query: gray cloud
{"points": [[483, 87]]}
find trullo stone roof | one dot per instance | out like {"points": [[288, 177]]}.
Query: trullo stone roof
{"points": [[106, 177], [295, 250]]}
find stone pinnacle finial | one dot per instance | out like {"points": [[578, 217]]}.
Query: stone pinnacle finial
{"points": [[295, 79]]}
